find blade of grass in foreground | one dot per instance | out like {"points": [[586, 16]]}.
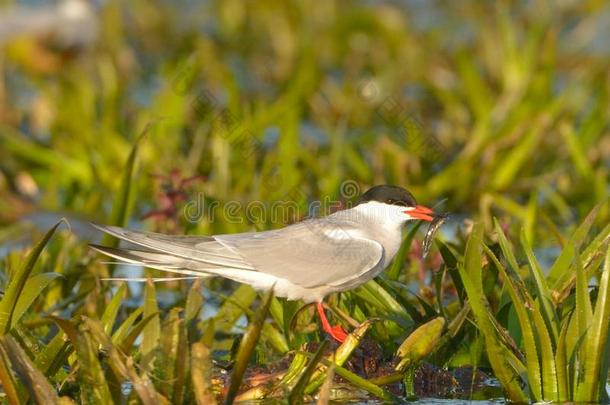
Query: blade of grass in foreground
{"points": [[246, 348], [543, 293], [18, 281], [122, 366], [399, 260], [152, 331], [597, 342], [529, 341], [201, 375], [341, 355], [10, 386], [360, 382], [33, 380], [588, 257], [32, 289], [560, 267], [93, 383], [584, 310], [296, 394], [111, 311], [500, 357]]}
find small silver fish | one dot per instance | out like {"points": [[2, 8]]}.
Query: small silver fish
{"points": [[436, 223]]}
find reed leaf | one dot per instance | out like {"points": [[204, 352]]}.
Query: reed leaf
{"points": [[246, 348], [296, 393], [542, 290], [201, 374], [112, 310], [17, 283], [593, 386], [519, 300]]}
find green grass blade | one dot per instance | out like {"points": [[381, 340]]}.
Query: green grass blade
{"points": [[562, 264], [94, 387], [32, 290], [584, 310], [451, 263], [152, 331], [296, 394], [165, 367], [275, 338], [588, 257], [561, 362], [507, 251], [124, 327], [519, 300], [325, 389], [542, 349], [509, 167], [500, 357], [201, 374], [112, 310], [383, 300], [121, 365], [547, 358], [51, 357], [192, 309], [361, 383], [399, 260], [473, 257], [127, 341], [10, 386], [340, 356], [296, 367], [18, 282], [233, 308], [542, 290], [597, 342], [39, 388], [246, 348]]}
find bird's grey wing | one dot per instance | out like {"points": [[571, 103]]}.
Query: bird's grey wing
{"points": [[311, 253]]}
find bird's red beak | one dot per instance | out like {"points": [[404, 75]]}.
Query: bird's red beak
{"points": [[421, 212]]}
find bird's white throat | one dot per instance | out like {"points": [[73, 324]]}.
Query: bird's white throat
{"points": [[384, 215]]}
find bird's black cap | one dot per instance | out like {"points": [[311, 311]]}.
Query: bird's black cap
{"points": [[388, 194]]}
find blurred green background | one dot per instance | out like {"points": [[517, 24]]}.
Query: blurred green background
{"points": [[492, 107]]}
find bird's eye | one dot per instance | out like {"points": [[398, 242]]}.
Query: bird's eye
{"points": [[397, 202]]}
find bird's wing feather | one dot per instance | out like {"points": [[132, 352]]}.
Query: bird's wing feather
{"points": [[311, 253]]}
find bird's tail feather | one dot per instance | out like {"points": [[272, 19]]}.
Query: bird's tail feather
{"points": [[185, 255], [177, 265]]}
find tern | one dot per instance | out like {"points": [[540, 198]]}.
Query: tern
{"points": [[305, 261]]}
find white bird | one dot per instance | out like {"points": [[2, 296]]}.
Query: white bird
{"points": [[305, 261]]}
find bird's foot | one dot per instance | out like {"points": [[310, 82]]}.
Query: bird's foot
{"points": [[337, 333]]}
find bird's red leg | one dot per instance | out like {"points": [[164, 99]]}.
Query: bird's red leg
{"points": [[336, 331]]}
